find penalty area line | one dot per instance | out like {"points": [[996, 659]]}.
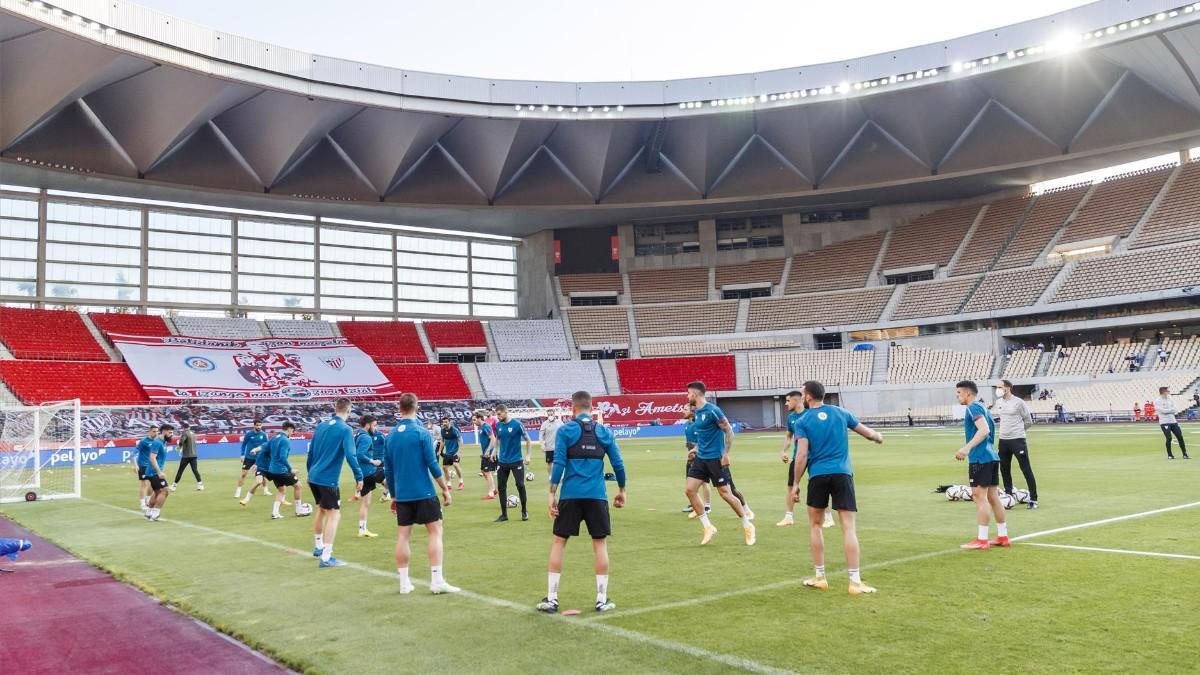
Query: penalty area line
{"points": [[1150, 554], [730, 660]]}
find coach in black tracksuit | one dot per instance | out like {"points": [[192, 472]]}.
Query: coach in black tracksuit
{"points": [[1014, 420]]}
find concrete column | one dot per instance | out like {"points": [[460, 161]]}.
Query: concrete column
{"points": [[625, 245], [708, 241], [535, 269]]}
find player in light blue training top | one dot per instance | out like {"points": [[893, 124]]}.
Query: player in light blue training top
{"points": [[332, 443], [689, 443], [983, 467], [714, 440], [141, 458], [252, 440], [279, 472], [156, 471], [409, 462], [796, 408], [823, 448], [488, 466], [365, 442], [506, 452], [451, 461]]}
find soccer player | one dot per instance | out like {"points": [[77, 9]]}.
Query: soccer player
{"points": [[251, 440], [487, 466], [507, 453], [1014, 420], [451, 438], [332, 443], [187, 457], [546, 434], [1165, 407], [145, 446], [983, 467], [823, 448], [714, 440], [364, 448], [579, 451], [689, 442], [280, 472], [262, 467], [156, 472], [408, 463]]}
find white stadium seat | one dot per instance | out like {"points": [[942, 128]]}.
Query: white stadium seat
{"points": [[539, 340], [204, 326], [532, 378], [298, 328]]}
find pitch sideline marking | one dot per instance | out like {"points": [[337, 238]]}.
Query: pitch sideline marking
{"points": [[633, 636], [1152, 554], [886, 563]]}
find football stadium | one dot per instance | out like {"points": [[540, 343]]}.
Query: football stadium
{"points": [[772, 341]]}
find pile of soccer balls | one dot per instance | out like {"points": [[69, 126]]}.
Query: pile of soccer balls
{"points": [[962, 493]]}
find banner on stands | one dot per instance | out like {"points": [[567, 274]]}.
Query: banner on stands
{"points": [[633, 408], [299, 369]]}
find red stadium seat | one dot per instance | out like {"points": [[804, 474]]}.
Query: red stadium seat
{"points": [[130, 324], [48, 334], [37, 382], [654, 376], [450, 334], [386, 341], [429, 381]]}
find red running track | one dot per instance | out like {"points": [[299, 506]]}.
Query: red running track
{"points": [[61, 615]]}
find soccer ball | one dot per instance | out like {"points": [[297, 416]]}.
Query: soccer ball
{"points": [[1021, 495], [528, 476], [304, 509], [513, 501], [1007, 500]]}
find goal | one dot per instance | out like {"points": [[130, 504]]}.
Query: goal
{"points": [[40, 454]]}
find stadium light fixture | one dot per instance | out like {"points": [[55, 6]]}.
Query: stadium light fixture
{"points": [[38, 4], [620, 108], [559, 109], [545, 107], [518, 107]]}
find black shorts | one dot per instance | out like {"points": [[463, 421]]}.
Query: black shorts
{"points": [[260, 471], [549, 456], [450, 460], [838, 487], [571, 512], [986, 474], [326, 497], [728, 477], [157, 483], [488, 465], [283, 480], [141, 473], [247, 462], [420, 512], [792, 473], [379, 478], [709, 471], [1013, 446]]}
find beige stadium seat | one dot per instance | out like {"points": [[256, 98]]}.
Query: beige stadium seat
{"points": [[1116, 205], [1094, 359], [757, 272], [707, 318], [823, 309], [703, 346], [1181, 354], [669, 285], [1152, 270], [1177, 217], [930, 239], [917, 364], [1012, 288], [997, 224], [1022, 364], [1117, 397], [603, 325], [790, 369], [1045, 217], [933, 298], [590, 283], [845, 264]]}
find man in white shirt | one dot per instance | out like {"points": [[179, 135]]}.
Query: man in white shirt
{"points": [[1014, 420], [1165, 407], [547, 434]]}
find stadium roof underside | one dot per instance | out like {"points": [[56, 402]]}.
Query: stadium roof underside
{"points": [[113, 97]]}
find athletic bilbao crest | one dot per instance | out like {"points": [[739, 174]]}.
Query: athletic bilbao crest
{"points": [[335, 362], [271, 370]]}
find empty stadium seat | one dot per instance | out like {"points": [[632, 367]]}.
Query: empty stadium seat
{"points": [[1045, 217], [669, 285], [451, 334], [1177, 217], [517, 380], [1181, 354], [712, 318], [36, 382], [930, 239], [386, 341], [1022, 364], [605, 282], [994, 230], [1116, 205], [1114, 396], [1012, 288], [846, 264], [214, 327], [299, 328], [653, 376], [917, 364], [130, 324], [703, 346], [1094, 359], [599, 326], [1152, 270], [534, 340], [933, 298], [757, 272], [790, 369], [48, 334], [429, 381], [824, 309]]}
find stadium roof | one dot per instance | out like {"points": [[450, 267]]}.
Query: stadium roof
{"points": [[114, 97]]}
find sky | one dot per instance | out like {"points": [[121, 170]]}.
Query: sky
{"points": [[573, 40]]}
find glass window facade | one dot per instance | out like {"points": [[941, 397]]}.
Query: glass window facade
{"points": [[158, 255]]}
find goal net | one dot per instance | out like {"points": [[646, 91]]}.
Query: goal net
{"points": [[40, 454]]}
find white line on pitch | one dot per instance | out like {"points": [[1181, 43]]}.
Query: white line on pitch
{"points": [[1151, 554], [886, 563], [633, 636]]}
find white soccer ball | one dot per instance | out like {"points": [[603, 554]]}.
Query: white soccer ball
{"points": [[1007, 500], [952, 495], [513, 501], [304, 509], [1021, 495], [528, 476]]}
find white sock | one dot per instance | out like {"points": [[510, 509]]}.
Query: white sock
{"points": [[248, 496], [704, 520], [403, 571], [274, 508], [362, 526], [552, 589], [789, 516], [1002, 529], [707, 507], [746, 521], [266, 491], [820, 570], [237, 494], [855, 576], [601, 587], [318, 541], [326, 552], [983, 530], [435, 574], [829, 515]]}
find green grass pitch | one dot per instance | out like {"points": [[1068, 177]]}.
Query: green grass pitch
{"points": [[683, 608]]}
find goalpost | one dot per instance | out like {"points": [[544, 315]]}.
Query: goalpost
{"points": [[40, 452]]}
